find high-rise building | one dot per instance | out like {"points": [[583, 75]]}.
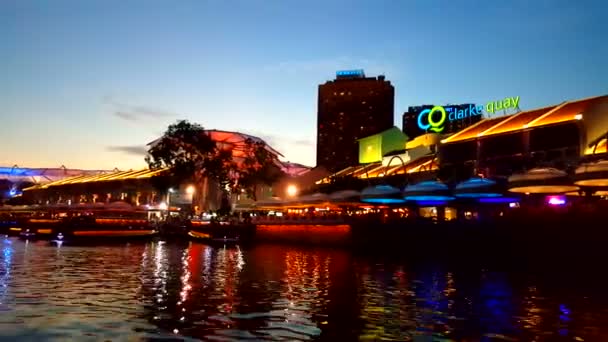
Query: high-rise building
{"points": [[457, 117], [349, 108]]}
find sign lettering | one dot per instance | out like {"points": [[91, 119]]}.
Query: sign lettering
{"points": [[434, 119]]}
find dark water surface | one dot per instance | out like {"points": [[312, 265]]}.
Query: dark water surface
{"points": [[161, 290]]}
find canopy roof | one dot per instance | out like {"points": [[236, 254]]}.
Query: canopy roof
{"points": [[42, 175], [111, 176], [373, 170], [567, 111], [236, 140]]}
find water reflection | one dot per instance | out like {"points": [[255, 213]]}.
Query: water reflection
{"points": [[279, 293], [5, 272]]}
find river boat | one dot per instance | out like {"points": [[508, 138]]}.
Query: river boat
{"points": [[41, 226], [222, 232], [13, 218], [302, 229], [89, 223], [108, 225]]}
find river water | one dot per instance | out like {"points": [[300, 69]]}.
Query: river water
{"points": [[191, 291]]}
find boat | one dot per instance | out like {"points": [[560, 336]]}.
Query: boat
{"points": [[105, 225], [13, 218], [222, 232], [41, 226]]}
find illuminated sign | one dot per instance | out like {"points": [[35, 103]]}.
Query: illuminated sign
{"points": [[508, 102], [436, 126], [350, 73], [434, 119]]}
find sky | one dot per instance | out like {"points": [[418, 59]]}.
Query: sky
{"points": [[87, 84]]}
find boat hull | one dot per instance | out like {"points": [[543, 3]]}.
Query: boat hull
{"points": [[104, 236], [222, 234]]}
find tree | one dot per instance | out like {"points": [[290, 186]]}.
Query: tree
{"points": [[189, 154], [258, 168]]}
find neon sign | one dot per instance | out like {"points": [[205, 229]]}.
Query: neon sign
{"points": [[434, 119], [435, 126], [350, 73]]}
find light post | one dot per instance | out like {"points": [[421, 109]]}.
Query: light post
{"points": [[292, 190], [168, 202], [190, 190]]}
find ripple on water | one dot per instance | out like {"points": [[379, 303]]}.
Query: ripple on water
{"points": [[160, 291]]}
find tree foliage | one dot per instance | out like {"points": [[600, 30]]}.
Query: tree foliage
{"points": [[189, 154], [257, 168], [184, 149]]}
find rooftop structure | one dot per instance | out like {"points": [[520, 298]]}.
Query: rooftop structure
{"points": [[556, 136], [104, 177], [42, 175], [565, 112]]}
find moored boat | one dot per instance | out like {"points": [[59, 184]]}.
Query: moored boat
{"points": [[41, 227], [223, 232], [106, 225]]}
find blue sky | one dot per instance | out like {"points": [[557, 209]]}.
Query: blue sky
{"points": [[87, 84]]}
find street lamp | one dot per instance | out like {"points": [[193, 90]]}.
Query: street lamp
{"points": [[167, 204], [292, 190], [190, 189]]}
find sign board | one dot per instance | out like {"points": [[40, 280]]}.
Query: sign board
{"points": [[350, 74], [435, 118]]}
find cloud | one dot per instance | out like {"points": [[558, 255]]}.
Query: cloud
{"points": [[131, 112], [134, 149], [304, 142]]}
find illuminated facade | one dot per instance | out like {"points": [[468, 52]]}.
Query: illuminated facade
{"points": [[14, 179], [392, 157], [138, 187], [133, 187], [349, 108], [557, 136], [373, 148]]}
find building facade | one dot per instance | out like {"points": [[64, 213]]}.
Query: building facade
{"points": [[148, 187], [349, 108], [415, 122], [558, 136]]}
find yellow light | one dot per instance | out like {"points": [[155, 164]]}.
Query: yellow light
{"points": [[578, 116], [292, 190], [190, 189]]}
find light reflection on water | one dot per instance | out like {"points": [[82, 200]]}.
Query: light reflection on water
{"points": [[156, 289]]}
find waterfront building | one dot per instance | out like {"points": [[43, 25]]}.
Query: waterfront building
{"points": [[349, 108], [142, 187], [13, 179], [559, 136], [389, 156]]}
